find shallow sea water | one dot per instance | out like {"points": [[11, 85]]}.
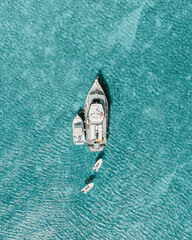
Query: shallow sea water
{"points": [[50, 53]]}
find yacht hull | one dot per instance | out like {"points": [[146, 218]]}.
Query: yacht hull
{"points": [[96, 112]]}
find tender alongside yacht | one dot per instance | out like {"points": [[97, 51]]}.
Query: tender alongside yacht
{"points": [[97, 165], [78, 131], [96, 118], [87, 188]]}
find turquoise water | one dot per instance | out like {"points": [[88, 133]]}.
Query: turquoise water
{"points": [[50, 52]]}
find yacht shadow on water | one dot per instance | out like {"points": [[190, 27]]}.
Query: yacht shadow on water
{"points": [[81, 114], [90, 179], [105, 88], [100, 156]]}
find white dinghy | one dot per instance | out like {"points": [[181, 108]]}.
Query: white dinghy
{"points": [[78, 131], [87, 188], [97, 165]]}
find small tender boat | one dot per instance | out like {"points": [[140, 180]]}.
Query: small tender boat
{"points": [[87, 188], [97, 165], [78, 131]]}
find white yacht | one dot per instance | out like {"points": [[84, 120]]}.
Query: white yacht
{"points": [[78, 131], [96, 118], [87, 188], [97, 165]]}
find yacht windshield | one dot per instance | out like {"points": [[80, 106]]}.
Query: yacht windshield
{"points": [[78, 125]]}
